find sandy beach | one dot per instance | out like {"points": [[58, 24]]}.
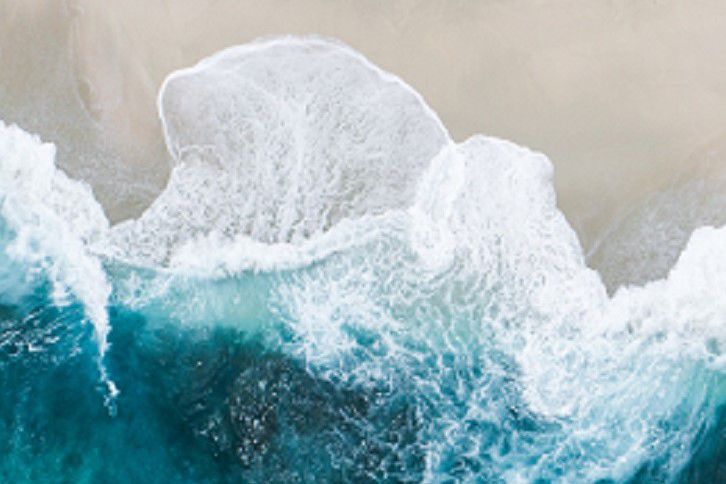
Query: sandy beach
{"points": [[622, 96]]}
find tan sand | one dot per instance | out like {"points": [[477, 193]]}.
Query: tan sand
{"points": [[619, 94]]}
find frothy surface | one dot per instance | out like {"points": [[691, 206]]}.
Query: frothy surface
{"points": [[280, 141]]}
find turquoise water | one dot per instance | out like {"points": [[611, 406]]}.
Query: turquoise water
{"points": [[330, 289], [214, 405], [208, 402]]}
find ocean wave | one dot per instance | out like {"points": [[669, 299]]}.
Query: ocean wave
{"points": [[318, 202], [49, 222]]}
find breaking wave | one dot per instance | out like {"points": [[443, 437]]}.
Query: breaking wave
{"points": [[424, 299]]}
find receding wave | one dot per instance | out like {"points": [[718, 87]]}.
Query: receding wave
{"points": [[279, 141]]}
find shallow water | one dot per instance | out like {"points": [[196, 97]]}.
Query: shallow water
{"points": [[619, 95], [330, 288]]}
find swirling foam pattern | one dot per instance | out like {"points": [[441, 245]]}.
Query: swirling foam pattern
{"points": [[279, 142], [331, 289]]}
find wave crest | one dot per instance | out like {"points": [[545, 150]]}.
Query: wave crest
{"points": [[49, 223]]}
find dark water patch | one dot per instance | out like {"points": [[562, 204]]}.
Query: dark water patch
{"points": [[262, 414], [708, 462], [196, 405]]}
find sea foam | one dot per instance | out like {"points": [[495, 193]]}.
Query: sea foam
{"points": [[279, 141], [52, 223]]}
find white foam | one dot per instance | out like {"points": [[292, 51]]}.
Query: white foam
{"points": [[278, 141], [214, 256], [54, 220]]}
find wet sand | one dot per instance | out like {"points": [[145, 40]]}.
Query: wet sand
{"points": [[623, 96]]}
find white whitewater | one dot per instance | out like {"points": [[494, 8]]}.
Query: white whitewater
{"points": [[53, 220], [279, 141]]}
